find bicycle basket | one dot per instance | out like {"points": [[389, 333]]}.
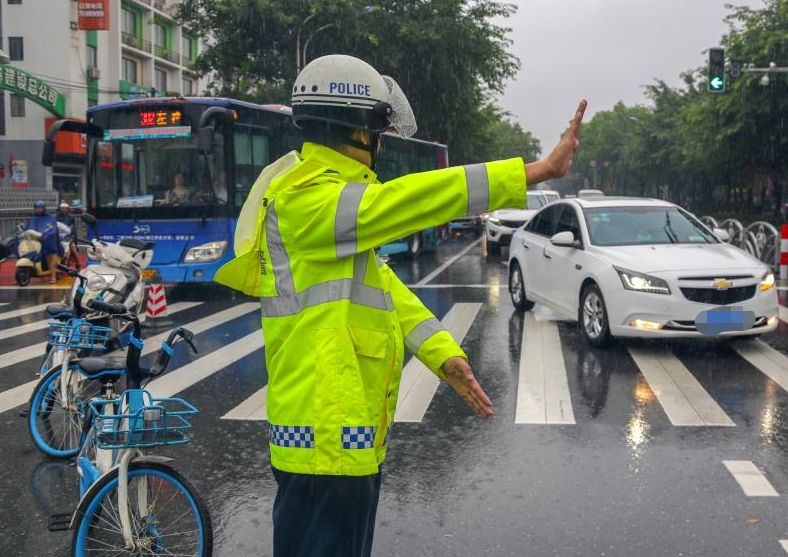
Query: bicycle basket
{"points": [[78, 334], [137, 419]]}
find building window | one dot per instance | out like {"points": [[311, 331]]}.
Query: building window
{"points": [[92, 56], [130, 70], [2, 112], [14, 1], [159, 35], [17, 106], [129, 22], [16, 48], [188, 86], [161, 80], [186, 47]]}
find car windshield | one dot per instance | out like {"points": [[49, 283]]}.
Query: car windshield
{"points": [[535, 201], [632, 226]]}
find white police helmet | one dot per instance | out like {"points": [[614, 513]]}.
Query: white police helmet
{"points": [[346, 91]]}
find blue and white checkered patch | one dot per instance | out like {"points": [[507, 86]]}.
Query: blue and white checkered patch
{"points": [[296, 436], [358, 437]]}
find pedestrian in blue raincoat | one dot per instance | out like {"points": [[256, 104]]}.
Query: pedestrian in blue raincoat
{"points": [[46, 224]]}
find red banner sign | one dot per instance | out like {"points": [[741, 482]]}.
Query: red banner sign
{"points": [[93, 14]]}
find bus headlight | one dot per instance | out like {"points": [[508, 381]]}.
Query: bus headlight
{"points": [[205, 253], [97, 281]]}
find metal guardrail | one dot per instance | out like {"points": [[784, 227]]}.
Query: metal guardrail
{"points": [[760, 239]]}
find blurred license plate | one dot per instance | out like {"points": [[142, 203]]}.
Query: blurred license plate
{"points": [[148, 274]]}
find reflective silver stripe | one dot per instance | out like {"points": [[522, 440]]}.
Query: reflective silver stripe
{"points": [[360, 266], [422, 332], [330, 291], [283, 276], [347, 217], [478, 188]]}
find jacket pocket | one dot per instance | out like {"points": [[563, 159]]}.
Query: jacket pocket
{"points": [[370, 343]]}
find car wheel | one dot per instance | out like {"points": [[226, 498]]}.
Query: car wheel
{"points": [[593, 319], [22, 276], [414, 244], [517, 289]]}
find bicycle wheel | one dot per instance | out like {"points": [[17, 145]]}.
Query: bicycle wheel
{"points": [[55, 427], [167, 515]]}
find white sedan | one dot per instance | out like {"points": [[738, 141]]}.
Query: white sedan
{"points": [[499, 225], [630, 267]]}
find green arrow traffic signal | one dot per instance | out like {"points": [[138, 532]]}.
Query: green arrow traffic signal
{"points": [[717, 70]]}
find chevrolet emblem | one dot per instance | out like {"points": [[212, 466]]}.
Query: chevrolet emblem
{"points": [[721, 284]]}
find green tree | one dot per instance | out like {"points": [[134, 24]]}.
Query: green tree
{"points": [[447, 55]]}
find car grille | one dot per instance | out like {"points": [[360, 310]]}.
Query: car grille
{"points": [[719, 297], [512, 223]]}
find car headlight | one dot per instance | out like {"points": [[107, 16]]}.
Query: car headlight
{"points": [[767, 281], [98, 281], [206, 252], [494, 220], [642, 283]]}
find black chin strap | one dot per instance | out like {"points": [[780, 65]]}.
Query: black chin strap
{"points": [[371, 147]]}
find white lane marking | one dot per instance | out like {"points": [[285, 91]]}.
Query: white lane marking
{"points": [[783, 314], [17, 396], [195, 371], [683, 398], [254, 408], [23, 311], [769, 361], [44, 323], [440, 269], [543, 390], [151, 344], [784, 545], [418, 384], [751, 480], [21, 394]]}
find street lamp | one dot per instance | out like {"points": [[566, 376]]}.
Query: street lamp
{"points": [[298, 41], [309, 38]]}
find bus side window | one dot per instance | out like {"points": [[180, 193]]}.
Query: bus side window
{"points": [[252, 154]]}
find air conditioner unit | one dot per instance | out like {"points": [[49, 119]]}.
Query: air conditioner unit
{"points": [[74, 26], [94, 73]]}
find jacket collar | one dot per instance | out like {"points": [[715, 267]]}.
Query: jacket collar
{"points": [[351, 170]]}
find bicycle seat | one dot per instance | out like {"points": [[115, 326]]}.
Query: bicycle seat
{"points": [[59, 311], [93, 367]]}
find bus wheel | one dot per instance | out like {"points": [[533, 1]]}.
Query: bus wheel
{"points": [[414, 244]]}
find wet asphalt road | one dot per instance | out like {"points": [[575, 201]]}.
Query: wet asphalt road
{"points": [[621, 481]]}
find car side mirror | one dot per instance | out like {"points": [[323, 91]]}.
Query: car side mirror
{"points": [[563, 239], [722, 235]]}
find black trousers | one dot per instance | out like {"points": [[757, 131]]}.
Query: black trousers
{"points": [[324, 516]]}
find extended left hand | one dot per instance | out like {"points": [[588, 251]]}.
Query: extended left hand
{"points": [[460, 376]]}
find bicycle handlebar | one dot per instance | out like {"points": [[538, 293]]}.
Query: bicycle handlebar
{"points": [[112, 309], [68, 270]]}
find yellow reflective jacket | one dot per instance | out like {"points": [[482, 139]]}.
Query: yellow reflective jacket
{"points": [[335, 319]]}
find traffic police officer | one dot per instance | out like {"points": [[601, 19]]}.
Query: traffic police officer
{"points": [[336, 320]]}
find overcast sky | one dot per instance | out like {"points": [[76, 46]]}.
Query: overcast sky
{"points": [[603, 50]]}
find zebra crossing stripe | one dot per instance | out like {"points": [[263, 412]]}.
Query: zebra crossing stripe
{"points": [[195, 371], [17, 396], [44, 323], [766, 359], [543, 390], [683, 398], [254, 408], [23, 311], [751, 480], [419, 385]]}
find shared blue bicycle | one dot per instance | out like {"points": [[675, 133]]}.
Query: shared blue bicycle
{"points": [[133, 502]]}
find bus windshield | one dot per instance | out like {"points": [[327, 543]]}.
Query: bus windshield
{"points": [[165, 172]]}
